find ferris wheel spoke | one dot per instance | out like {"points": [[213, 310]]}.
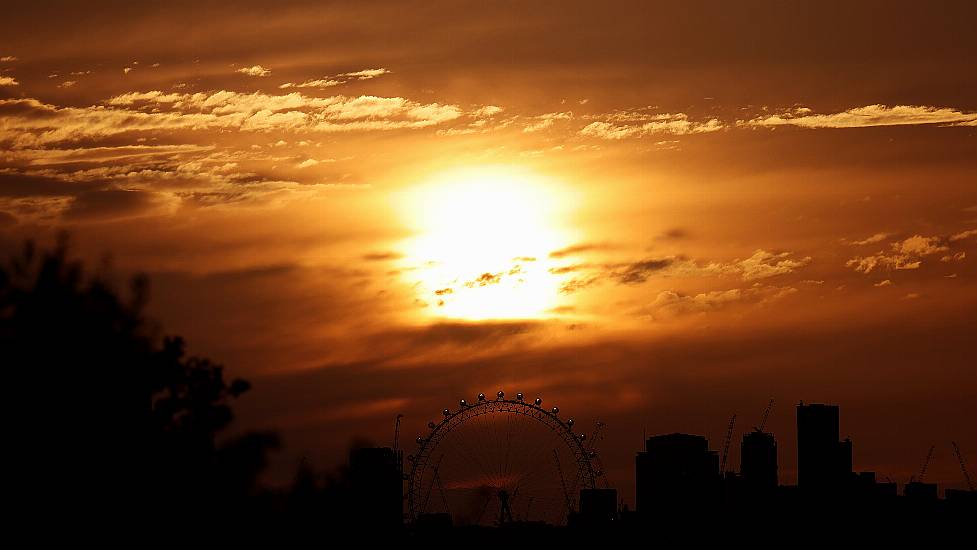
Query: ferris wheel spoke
{"points": [[484, 452], [537, 465], [492, 448], [488, 450], [504, 447], [474, 459], [536, 459]]}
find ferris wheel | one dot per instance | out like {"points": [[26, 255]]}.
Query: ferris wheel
{"points": [[496, 461]]}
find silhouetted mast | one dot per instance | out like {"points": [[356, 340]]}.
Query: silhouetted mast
{"points": [[397, 433], [766, 414]]}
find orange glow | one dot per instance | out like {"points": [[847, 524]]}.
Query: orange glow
{"points": [[482, 241]]}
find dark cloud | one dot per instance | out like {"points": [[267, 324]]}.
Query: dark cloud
{"points": [[674, 234], [639, 272], [574, 285], [382, 256], [110, 204], [627, 273], [485, 279], [457, 334], [14, 185], [252, 273], [569, 268], [578, 249]]}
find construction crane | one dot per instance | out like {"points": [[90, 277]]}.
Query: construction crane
{"points": [[766, 414], [397, 433], [926, 463], [963, 465], [729, 437]]}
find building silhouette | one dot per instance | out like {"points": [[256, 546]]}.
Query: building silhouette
{"points": [[823, 462], [676, 472], [597, 506], [758, 462], [376, 480], [918, 491]]}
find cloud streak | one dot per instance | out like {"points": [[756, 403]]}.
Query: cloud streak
{"points": [[761, 265], [669, 304], [868, 116], [626, 125], [908, 254], [30, 122], [254, 70], [337, 80]]}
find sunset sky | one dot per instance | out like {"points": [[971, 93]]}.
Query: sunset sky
{"points": [[655, 214]]}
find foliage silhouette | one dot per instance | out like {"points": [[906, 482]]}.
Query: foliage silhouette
{"points": [[112, 402]]}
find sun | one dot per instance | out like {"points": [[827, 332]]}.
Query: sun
{"points": [[482, 239]]}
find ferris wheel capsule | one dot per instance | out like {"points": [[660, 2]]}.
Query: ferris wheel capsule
{"points": [[519, 396], [481, 397], [582, 436], [419, 440], [501, 394], [463, 403], [538, 401], [556, 410], [431, 425], [446, 412], [570, 423]]}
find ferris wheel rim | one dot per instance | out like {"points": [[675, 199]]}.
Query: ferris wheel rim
{"points": [[452, 419]]}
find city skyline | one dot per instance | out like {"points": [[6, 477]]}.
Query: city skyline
{"points": [[677, 478]]}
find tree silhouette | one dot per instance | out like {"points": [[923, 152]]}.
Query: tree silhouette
{"points": [[111, 406]]}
